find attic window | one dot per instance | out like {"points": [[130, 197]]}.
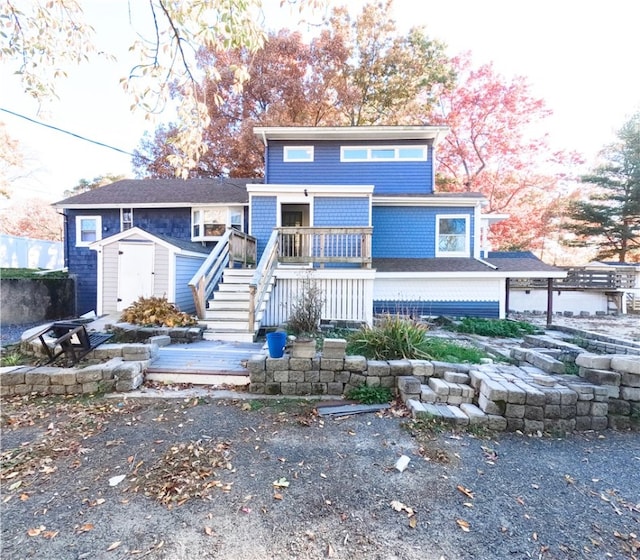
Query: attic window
{"points": [[298, 153], [383, 153]]}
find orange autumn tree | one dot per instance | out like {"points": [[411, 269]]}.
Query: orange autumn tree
{"points": [[493, 149]]}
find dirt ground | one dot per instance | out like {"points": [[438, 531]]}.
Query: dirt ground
{"points": [[193, 478]]}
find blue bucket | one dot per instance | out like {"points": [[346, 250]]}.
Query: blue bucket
{"points": [[276, 341]]}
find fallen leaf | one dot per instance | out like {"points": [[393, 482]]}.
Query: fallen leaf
{"points": [[520, 500], [329, 551], [281, 483], [85, 528], [50, 534], [464, 525], [208, 531], [569, 480], [468, 493], [277, 496], [15, 485], [35, 531], [114, 545], [24, 497], [413, 521]]}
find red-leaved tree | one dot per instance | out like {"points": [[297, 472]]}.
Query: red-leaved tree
{"points": [[496, 147]]}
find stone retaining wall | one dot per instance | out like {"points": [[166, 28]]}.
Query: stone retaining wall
{"points": [[500, 396], [122, 371]]}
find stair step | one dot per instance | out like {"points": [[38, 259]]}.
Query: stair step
{"points": [[233, 336], [219, 305], [241, 288]]}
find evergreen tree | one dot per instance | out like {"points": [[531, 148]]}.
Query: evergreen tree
{"points": [[610, 217]]}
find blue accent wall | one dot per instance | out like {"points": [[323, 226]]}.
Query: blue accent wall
{"points": [[409, 231], [486, 309], [340, 211], [389, 178], [263, 217]]}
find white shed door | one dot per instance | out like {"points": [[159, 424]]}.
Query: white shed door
{"points": [[135, 272]]}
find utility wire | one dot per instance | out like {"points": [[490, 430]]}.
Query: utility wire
{"points": [[72, 134]]}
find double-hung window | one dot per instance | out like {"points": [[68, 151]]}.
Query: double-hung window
{"points": [[88, 230], [452, 235], [126, 218]]}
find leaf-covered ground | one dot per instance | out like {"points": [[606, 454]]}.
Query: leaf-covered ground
{"points": [[193, 478]]}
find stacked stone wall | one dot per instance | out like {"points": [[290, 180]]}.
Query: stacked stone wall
{"points": [[122, 369], [510, 397]]}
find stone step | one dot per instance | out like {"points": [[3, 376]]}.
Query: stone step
{"points": [[451, 393]]}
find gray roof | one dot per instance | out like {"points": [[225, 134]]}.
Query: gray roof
{"points": [[185, 244], [520, 261], [523, 263], [154, 192]]}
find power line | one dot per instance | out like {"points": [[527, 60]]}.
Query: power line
{"points": [[78, 136]]}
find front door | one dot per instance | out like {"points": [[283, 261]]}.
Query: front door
{"points": [[135, 272]]}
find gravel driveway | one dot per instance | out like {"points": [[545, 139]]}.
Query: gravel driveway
{"points": [[270, 479]]}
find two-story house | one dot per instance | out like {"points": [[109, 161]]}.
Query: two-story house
{"points": [[352, 209]]}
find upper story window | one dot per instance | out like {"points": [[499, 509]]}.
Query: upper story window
{"points": [[126, 218], [298, 153], [384, 153], [88, 230], [452, 235], [211, 222]]}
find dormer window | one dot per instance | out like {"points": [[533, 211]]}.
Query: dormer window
{"points": [[298, 153], [383, 153]]}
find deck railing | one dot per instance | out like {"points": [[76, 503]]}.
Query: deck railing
{"points": [[323, 245], [262, 278], [233, 247], [583, 279]]}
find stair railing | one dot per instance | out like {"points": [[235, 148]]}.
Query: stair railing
{"points": [[262, 278], [233, 246]]}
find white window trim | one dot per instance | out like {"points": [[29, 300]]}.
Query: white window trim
{"points": [[396, 148], [286, 158], [122, 211], [228, 224], [79, 219], [467, 237]]}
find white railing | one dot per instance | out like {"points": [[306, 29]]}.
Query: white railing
{"points": [[234, 246], [347, 294], [261, 280], [323, 245]]}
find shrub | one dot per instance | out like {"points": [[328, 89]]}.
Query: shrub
{"points": [[307, 309], [370, 395], [446, 351], [502, 328], [156, 312], [394, 338]]}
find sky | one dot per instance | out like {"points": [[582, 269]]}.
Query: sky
{"points": [[580, 56]]}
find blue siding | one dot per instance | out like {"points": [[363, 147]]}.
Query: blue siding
{"points": [[394, 177], [186, 267], [83, 262], [341, 211], [263, 219], [486, 309], [409, 231]]}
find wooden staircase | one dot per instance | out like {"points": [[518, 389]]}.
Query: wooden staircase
{"points": [[227, 315]]}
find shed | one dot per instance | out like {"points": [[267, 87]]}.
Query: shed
{"points": [[135, 263]]}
